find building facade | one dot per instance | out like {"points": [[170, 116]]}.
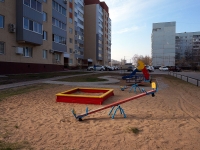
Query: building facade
{"points": [[163, 44], [30, 41], [45, 36], [97, 32], [187, 48]]}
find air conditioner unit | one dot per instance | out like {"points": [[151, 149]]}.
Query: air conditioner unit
{"points": [[12, 28], [51, 51], [19, 50], [65, 1]]}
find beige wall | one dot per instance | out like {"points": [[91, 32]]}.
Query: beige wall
{"points": [[8, 9], [90, 32]]}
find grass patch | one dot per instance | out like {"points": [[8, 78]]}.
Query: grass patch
{"points": [[15, 146], [28, 77], [25, 89], [88, 78]]}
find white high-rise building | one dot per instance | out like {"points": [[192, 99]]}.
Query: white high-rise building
{"points": [[163, 44]]}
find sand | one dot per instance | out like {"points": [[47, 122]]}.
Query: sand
{"points": [[168, 121]]}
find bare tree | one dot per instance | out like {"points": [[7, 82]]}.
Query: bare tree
{"points": [[146, 59]]}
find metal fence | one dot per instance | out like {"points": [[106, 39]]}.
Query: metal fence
{"points": [[185, 78]]}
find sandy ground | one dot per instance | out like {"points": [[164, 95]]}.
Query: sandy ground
{"points": [[168, 121]]}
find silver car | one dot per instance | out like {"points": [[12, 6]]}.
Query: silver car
{"points": [[97, 68]]}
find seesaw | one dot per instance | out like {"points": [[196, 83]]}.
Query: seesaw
{"points": [[117, 104]]}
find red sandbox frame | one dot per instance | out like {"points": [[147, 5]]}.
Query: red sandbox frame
{"points": [[69, 97]]}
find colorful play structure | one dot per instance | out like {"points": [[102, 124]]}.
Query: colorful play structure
{"points": [[70, 96], [138, 78], [117, 104]]}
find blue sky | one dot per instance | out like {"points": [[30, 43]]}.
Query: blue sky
{"points": [[132, 23]]}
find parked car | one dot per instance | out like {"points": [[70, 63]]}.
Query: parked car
{"points": [[109, 68], [116, 68], [150, 68], [98, 68], [175, 69], [156, 67], [163, 68], [131, 68]]}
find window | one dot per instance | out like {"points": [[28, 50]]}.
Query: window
{"points": [[1, 0], [2, 47], [57, 57], [75, 14], [80, 14], [58, 24], [27, 52], [70, 40], [100, 42], [81, 22], [70, 50], [44, 16], [59, 8], [70, 20], [45, 1], [58, 39], [32, 26], [34, 4], [44, 54], [71, 61], [70, 1], [44, 35], [80, 6], [39, 6], [1, 21], [70, 10], [70, 30]]}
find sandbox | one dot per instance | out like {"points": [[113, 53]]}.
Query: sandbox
{"points": [[87, 96]]}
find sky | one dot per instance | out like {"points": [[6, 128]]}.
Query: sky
{"points": [[132, 23]]}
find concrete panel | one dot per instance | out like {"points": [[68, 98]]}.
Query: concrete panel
{"points": [[32, 37], [59, 16], [58, 31], [59, 47], [32, 14]]}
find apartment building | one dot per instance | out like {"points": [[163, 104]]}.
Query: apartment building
{"points": [[75, 53], [97, 25], [33, 36], [48, 35], [188, 47], [170, 48], [163, 44]]}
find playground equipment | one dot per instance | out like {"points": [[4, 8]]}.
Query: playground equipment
{"points": [[70, 96], [141, 67], [117, 104]]}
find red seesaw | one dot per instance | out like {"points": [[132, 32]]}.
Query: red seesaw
{"points": [[79, 117]]}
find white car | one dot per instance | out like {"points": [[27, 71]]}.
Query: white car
{"points": [[163, 68], [150, 68], [98, 68]]}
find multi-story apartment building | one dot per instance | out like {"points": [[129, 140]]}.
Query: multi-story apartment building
{"points": [[44, 35], [76, 33], [170, 48], [97, 25], [163, 44], [188, 45], [33, 35]]}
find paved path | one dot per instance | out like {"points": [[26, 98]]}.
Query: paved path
{"points": [[89, 84], [50, 80]]}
